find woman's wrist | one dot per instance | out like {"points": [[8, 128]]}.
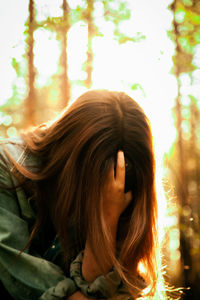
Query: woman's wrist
{"points": [[90, 267], [111, 218], [111, 212]]}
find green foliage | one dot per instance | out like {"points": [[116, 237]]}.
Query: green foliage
{"points": [[116, 11], [16, 67], [54, 23], [187, 3], [137, 86], [123, 38], [186, 34], [77, 14]]}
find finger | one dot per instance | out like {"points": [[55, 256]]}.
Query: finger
{"points": [[120, 169], [111, 173]]}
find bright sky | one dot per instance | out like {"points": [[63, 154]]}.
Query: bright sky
{"points": [[147, 62]]}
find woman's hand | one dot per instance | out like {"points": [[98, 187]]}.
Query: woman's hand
{"points": [[78, 296], [114, 202], [114, 199]]}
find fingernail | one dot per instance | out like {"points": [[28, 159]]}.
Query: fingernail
{"points": [[121, 159]]}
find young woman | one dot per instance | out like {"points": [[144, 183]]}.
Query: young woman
{"points": [[78, 209]]}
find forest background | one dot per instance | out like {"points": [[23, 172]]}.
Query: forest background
{"points": [[54, 50]]}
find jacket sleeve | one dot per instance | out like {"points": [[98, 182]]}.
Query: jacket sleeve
{"points": [[25, 276], [103, 287]]}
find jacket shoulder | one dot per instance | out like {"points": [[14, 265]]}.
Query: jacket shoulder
{"points": [[11, 148], [16, 149]]}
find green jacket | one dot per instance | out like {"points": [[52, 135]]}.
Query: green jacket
{"points": [[35, 275]]}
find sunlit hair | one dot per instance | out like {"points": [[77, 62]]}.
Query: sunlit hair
{"points": [[76, 153]]}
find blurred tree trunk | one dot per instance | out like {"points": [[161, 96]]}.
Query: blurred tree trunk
{"points": [[182, 184], [65, 84], [91, 32], [188, 142], [194, 193], [30, 101]]}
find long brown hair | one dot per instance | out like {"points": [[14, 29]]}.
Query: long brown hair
{"points": [[76, 152]]}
